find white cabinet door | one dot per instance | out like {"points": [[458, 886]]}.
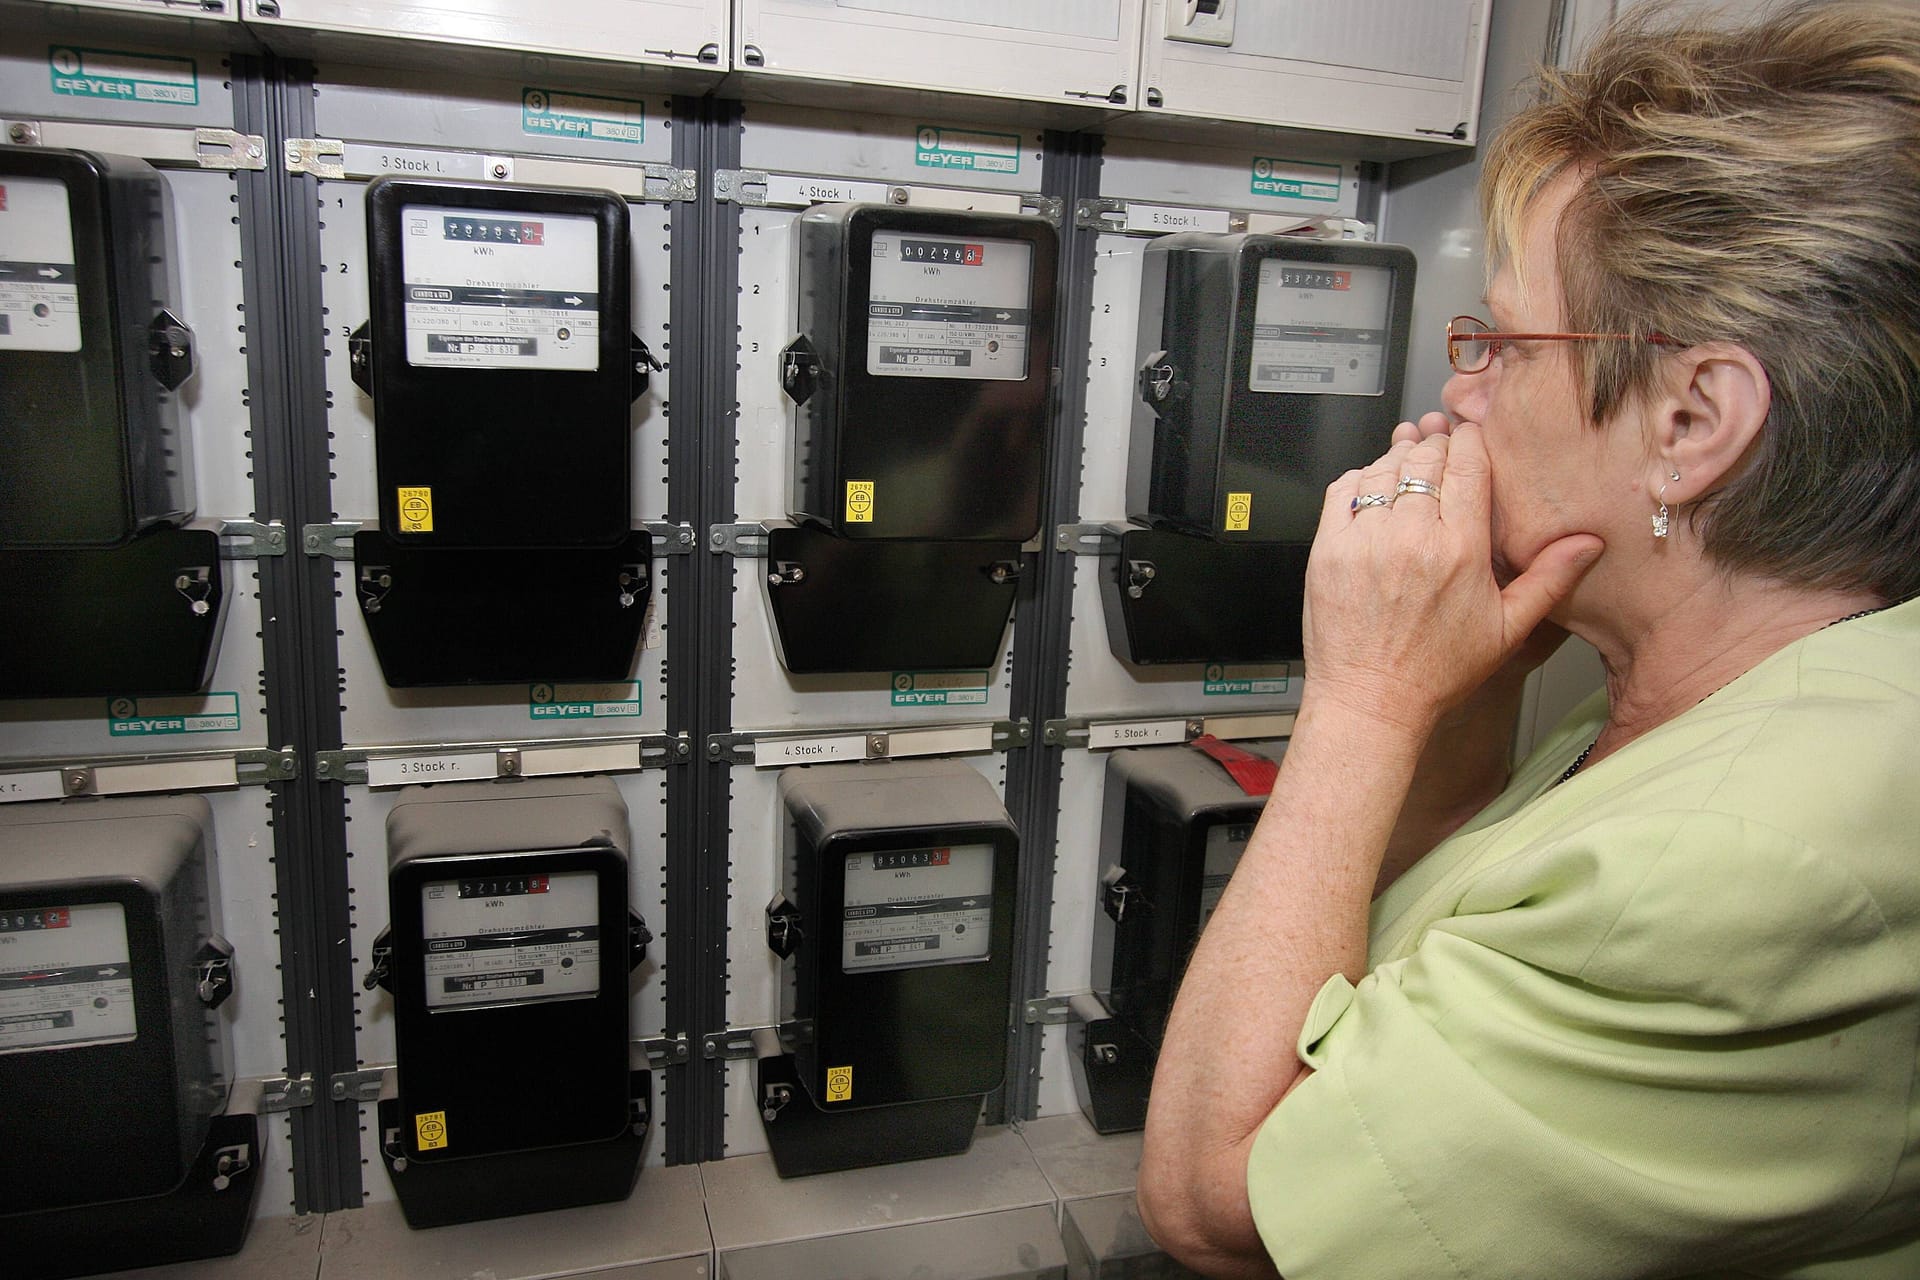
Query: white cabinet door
{"points": [[207, 10], [670, 32], [1072, 51], [1387, 68]]}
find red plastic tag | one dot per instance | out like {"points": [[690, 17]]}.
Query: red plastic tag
{"points": [[1255, 774]]}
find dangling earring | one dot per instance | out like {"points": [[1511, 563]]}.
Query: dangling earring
{"points": [[1660, 520]]}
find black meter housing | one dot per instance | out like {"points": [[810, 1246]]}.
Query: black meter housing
{"points": [[102, 589], [91, 354], [518, 437], [508, 958], [503, 367], [1173, 826], [921, 382], [898, 916], [922, 376], [1267, 367], [114, 1145]]}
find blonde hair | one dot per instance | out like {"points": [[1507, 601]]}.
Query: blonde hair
{"points": [[1757, 185]]}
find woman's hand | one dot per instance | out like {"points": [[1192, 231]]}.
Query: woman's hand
{"points": [[1404, 616]]}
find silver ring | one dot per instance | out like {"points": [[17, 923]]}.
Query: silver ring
{"points": [[1412, 484], [1370, 500]]}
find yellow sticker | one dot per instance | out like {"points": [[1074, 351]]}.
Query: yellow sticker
{"points": [[430, 1130], [1239, 512], [839, 1084], [859, 502], [416, 510]]}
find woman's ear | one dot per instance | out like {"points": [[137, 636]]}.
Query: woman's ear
{"points": [[1712, 408]]}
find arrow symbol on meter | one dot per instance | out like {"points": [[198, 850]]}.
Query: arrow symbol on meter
{"points": [[51, 273], [109, 973], [578, 933], [572, 301], [1004, 315]]}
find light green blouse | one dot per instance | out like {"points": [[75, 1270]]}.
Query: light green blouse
{"points": [[1661, 1020]]}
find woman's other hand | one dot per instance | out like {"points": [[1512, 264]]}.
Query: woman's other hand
{"points": [[1404, 616]]}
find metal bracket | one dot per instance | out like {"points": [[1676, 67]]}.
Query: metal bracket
{"points": [[740, 1044], [359, 1086], [321, 157], [1070, 731], [283, 1093], [259, 767], [349, 765], [877, 744], [226, 149], [665, 1050], [670, 539], [1052, 208], [1090, 539], [1072, 1006], [334, 541], [138, 775], [77, 780], [737, 539], [247, 540]]}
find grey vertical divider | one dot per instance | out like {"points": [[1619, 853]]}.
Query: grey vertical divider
{"points": [[286, 384], [700, 489], [1045, 614]]}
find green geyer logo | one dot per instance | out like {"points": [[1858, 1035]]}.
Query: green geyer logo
{"points": [[550, 113], [1296, 179], [126, 77], [935, 147], [202, 713], [582, 701], [939, 688], [1221, 679]]}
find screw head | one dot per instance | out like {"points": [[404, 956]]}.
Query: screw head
{"points": [[499, 170]]}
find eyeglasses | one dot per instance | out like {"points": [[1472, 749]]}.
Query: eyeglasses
{"points": [[1472, 343]]}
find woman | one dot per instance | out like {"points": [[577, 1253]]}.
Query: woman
{"points": [[1650, 1006]]}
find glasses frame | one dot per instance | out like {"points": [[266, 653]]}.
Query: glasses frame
{"points": [[1494, 338]]}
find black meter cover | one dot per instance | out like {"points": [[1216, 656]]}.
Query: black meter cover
{"points": [[502, 367], [922, 372], [112, 1060], [1268, 366], [903, 877], [1173, 826], [90, 355], [509, 968]]}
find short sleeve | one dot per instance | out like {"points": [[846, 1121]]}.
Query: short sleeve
{"points": [[1658, 1046]]}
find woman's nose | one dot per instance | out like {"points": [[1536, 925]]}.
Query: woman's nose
{"points": [[1465, 395]]}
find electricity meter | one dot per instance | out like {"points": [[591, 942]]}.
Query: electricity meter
{"points": [[502, 366], [113, 1142], [898, 916], [921, 382], [1175, 822], [1268, 367], [508, 958], [104, 591]]}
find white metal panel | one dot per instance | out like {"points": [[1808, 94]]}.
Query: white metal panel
{"points": [[668, 32], [1068, 51], [1391, 68], [1258, 175]]}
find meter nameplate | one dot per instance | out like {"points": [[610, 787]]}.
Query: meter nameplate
{"points": [[15, 787], [1225, 843], [493, 940], [65, 977], [948, 307], [396, 771], [496, 289], [917, 907], [1160, 217], [1320, 329], [1135, 733], [39, 299], [774, 752], [787, 191]]}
